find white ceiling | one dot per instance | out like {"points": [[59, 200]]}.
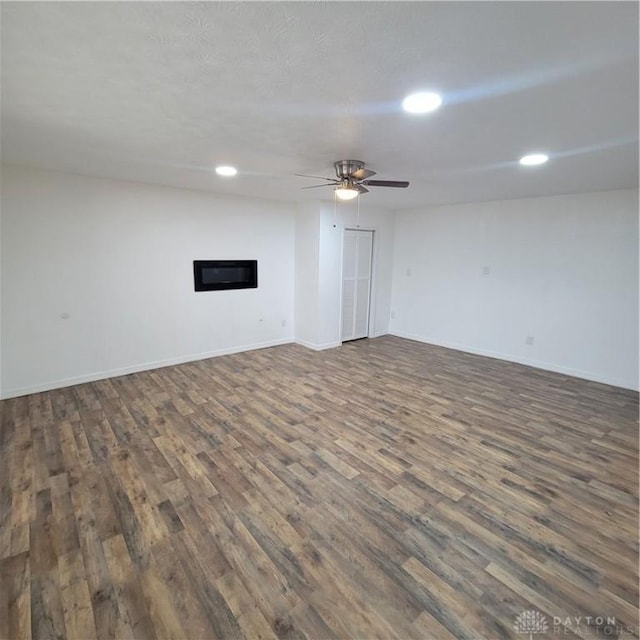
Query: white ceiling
{"points": [[162, 92]]}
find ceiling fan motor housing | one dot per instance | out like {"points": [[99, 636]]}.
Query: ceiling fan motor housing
{"points": [[345, 168]]}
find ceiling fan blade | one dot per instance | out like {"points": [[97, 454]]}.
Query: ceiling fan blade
{"points": [[362, 174], [360, 188], [304, 175], [315, 186], [386, 183]]}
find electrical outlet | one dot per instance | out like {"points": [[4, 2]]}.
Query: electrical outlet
{"points": [[485, 271], [284, 323], [409, 271], [529, 340], [393, 315]]}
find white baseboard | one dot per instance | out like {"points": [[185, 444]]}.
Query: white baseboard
{"points": [[317, 347], [332, 345], [147, 366], [112, 373], [530, 362]]}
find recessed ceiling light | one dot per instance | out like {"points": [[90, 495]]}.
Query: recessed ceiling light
{"points": [[533, 159], [226, 171], [421, 102]]}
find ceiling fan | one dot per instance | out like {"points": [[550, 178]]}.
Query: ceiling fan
{"points": [[352, 180]]}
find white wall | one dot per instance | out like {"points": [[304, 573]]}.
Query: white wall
{"points": [[1, 171], [307, 265], [117, 258], [563, 270], [319, 237]]}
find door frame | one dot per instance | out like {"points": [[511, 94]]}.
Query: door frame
{"points": [[372, 279]]}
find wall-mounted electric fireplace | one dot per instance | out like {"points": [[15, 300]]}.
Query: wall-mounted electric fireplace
{"points": [[215, 275]]}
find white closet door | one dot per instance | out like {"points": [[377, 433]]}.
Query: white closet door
{"points": [[356, 283]]}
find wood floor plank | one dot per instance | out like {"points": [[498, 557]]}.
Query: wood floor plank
{"points": [[77, 608], [47, 615], [15, 597], [384, 489]]}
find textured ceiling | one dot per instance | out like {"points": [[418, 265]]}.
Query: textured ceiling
{"points": [[162, 92]]}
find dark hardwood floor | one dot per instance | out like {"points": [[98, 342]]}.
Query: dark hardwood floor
{"points": [[384, 489]]}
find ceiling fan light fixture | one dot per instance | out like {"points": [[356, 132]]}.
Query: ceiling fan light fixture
{"points": [[346, 193], [423, 102]]}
